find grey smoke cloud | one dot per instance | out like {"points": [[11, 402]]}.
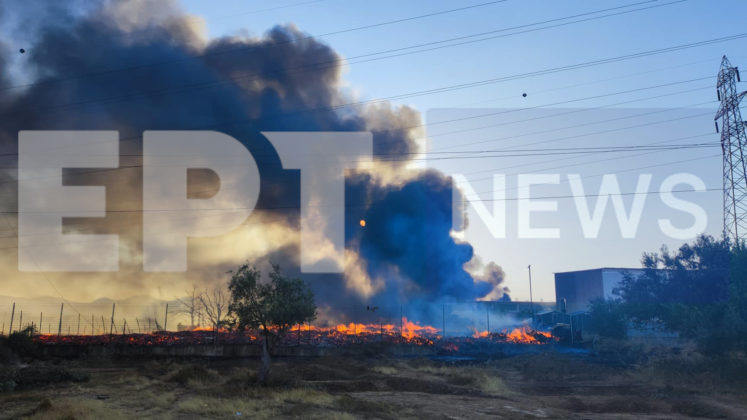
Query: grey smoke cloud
{"points": [[135, 65]]}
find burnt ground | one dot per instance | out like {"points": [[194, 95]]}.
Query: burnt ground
{"points": [[546, 385]]}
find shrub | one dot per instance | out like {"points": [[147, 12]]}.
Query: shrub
{"points": [[22, 343]]}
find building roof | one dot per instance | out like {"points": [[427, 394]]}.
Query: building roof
{"points": [[600, 269]]}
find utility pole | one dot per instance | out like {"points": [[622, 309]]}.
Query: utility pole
{"points": [[733, 139], [531, 300]]}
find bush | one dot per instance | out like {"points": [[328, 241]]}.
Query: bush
{"points": [[21, 343], [608, 319]]}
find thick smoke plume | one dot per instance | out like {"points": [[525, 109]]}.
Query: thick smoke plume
{"points": [[144, 65]]}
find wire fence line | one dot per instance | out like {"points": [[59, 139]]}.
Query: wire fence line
{"points": [[85, 319], [446, 319]]}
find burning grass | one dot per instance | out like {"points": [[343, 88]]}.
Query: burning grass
{"points": [[407, 332]]}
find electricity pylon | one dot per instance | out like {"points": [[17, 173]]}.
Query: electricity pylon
{"points": [[733, 140]]}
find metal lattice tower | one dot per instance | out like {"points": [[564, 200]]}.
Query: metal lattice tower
{"points": [[733, 140]]}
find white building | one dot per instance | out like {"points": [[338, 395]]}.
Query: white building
{"points": [[577, 288]]}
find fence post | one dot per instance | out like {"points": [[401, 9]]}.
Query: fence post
{"points": [[20, 322], [78, 323], [59, 328], [12, 315], [41, 319], [111, 325], [166, 318], [92, 326]]}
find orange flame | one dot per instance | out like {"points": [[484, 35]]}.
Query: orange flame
{"points": [[524, 334], [340, 334]]}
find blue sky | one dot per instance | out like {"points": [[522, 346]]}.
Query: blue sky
{"points": [[657, 27], [680, 23]]}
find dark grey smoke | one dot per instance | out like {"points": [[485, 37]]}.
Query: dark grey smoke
{"points": [[238, 86]]}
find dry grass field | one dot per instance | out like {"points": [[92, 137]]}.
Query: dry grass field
{"points": [[544, 385]]}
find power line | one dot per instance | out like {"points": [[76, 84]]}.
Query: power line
{"points": [[135, 166], [592, 82], [480, 153], [588, 134], [513, 28], [269, 9], [574, 111], [518, 109], [580, 163], [203, 85], [220, 209], [569, 101], [516, 76], [509, 199], [247, 48], [656, 165], [582, 149], [515, 110], [232, 209], [440, 150], [599, 195]]}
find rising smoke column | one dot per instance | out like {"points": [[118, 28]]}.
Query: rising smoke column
{"points": [[176, 79]]}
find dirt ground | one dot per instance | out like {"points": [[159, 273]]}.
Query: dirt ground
{"points": [[527, 386]]}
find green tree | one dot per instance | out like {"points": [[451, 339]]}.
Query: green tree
{"points": [[271, 307], [699, 291], [608, 318]]}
